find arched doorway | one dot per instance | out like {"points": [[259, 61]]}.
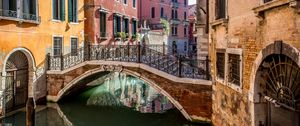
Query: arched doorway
{"points": [[277, 89], [16, 81]]}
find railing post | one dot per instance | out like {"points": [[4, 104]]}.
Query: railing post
{"points": [[61, 61], [163, 48], [47, 67], [128, 52], [207, 68], [139, 53], [179, 66], [86, 51]]}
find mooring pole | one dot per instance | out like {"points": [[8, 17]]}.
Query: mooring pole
{"points": [[30, 112]]}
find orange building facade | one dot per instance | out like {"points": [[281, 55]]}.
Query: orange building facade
{"points": [[29, 30]]}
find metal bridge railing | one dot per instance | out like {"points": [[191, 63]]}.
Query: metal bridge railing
{"points": [[154, 56]]}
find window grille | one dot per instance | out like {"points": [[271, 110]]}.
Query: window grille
{"points": [[220, 65], [234, 69]]}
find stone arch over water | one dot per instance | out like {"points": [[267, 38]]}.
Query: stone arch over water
{"points": [[95, 73]]}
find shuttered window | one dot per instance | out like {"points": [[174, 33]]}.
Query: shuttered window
{"points": [[57, 46], [153, 12], [133, 25], [29, 10], [162, 12], [74, 46], [72, 11], [102, 24], [58, 8], [117, 24], [220, 9], [134, 3], [126, 25]]}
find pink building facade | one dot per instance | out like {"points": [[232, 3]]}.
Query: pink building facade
{"points": [[106, 19], [174, 11]]}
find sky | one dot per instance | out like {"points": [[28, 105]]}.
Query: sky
{"points": [[192, 2]]}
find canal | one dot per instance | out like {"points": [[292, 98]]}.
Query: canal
{"points": [[115, 99]]}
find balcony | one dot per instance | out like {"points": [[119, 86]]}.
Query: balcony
{"points": [[20, 17], [174, 4], [186, 22], [175, 21]]}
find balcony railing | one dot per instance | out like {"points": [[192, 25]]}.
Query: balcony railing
{"points": [[175, 21], [23, 17], [154, 56], [8, 13]]}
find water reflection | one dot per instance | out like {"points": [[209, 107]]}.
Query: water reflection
{"points": [[124, 90], [114, 100]]}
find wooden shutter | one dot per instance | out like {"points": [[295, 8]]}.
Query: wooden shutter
{"points": [[62, 10], [75, 11], [115, 24], [54, 9], [70, 11]]}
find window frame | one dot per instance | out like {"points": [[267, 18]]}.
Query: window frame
{"points": [[71, 45], [152, 12], [76, 18], [218, 10], [225, 81], [103, 25], [60, 18], [62, 45]]}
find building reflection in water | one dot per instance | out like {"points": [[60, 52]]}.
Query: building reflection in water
{"points": [[108, 101], [120, 89]]}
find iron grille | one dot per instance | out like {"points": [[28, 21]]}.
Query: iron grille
{"points": [[234, 69], [220, 65]]}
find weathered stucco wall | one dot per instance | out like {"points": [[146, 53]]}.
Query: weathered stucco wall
{"points": [[37, 38], [251, 32]]}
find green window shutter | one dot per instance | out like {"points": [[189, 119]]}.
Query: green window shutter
{"points": [[54, 9], [62, 11], [75, 10], [115, 25], [70, 9]]}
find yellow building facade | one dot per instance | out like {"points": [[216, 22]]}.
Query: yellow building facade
{"points": [[28, 29]]}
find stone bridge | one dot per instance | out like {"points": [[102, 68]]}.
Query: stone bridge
{"points": [[186, 83]]}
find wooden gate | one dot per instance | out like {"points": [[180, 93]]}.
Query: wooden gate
{"points": [[16, 86]]}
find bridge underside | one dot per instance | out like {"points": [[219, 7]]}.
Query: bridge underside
{"points": [[195, 99]]}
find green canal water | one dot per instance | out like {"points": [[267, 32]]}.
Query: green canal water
{"points": [[113, 100]]}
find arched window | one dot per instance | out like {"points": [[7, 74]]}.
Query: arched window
{"points": [[162, 12], [153, 12]]}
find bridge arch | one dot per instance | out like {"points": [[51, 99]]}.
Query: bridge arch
{"points": [[75, 82], [18, 71], [273, 55]]}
